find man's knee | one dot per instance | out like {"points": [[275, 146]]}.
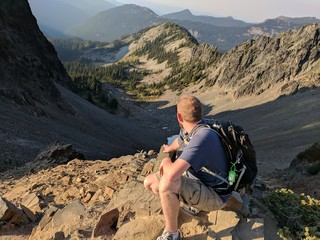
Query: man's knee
{"points": [[169, 185], [147, 182], [151, 183]]}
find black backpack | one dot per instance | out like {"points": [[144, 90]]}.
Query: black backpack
{"points": [[240, 152]]}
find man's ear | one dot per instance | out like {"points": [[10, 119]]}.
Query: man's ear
{"points": [[179, 117]]}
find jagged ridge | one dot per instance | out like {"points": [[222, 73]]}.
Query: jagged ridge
{"points": [[291, 60]]}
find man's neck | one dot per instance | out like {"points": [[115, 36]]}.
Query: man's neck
{"points": [[188, 126]]}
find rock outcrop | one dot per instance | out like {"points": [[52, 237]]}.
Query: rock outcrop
{"points": [[54, 155]]}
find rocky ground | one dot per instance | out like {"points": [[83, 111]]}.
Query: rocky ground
{"points": [[104, 200], [55, 198]]}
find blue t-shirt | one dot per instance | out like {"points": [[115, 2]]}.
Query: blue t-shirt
{"points": [[204, 149]]}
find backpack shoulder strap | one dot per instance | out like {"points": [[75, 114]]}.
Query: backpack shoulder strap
{"points": [[197, 128]]}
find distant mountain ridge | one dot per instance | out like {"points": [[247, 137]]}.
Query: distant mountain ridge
{"points": [[114, 23], [223, 33], [272, 27], [91, 7], [298, 20], [186, 15], [49, 32]]}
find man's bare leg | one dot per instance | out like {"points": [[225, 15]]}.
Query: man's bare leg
{"points": [[168, 191]]}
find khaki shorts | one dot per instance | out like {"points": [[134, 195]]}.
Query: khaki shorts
{"points": [[196, 194]]}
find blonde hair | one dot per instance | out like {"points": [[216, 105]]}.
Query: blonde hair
{"points": [[190, 108]]}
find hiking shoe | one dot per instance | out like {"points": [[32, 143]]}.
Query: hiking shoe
{"points": [[192, 210], [169, 236]]}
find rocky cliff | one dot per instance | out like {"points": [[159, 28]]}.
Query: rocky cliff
{"points": [[28, 62], [282, 64]]}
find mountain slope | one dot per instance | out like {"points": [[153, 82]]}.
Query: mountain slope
{"points": [[281, 65], [224, 38], [37, 107], [168, 57]]}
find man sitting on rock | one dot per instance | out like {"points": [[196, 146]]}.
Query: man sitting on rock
{"points": [[184, 179]]}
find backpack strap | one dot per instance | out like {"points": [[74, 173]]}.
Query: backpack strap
{"points": [[224, 180], [197, 128], [240, 176]]}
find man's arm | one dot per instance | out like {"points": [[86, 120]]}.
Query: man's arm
{"points": [[173, 170], [170, 148]]}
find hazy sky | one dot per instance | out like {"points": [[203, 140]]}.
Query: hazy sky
{"points": [[247, 10]]}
